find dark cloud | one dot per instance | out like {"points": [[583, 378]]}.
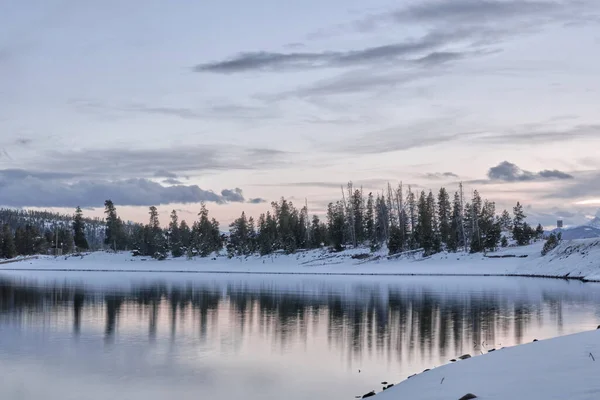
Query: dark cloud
{"points": [[586, 186], [273, 61], [523, 135], [23, 141], [441, 175], [30, 190], [233, 195], [121, 163], [256, 200], [16, 174], [475, 11], [165, 174], [509, 172], [171, 181]]}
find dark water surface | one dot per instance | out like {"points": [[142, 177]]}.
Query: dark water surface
{"points": [[262, 337]]}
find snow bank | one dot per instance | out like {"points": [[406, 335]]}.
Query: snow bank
{"points": [[562, 368], [572, 259]]}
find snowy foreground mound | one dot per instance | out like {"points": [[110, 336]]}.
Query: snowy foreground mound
{"points": [[562, 368], [571, 259]]}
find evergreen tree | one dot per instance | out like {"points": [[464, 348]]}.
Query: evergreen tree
{"points": [[239, 238], [114, 235], [175, 239], [539, 232], [267, 233], [336, 225], [252, 236], [318, 233], [411, 203], [359, 215], [520, 228], [505, 221], [369, 219], [425, 231], [490, 226], [79, 230], [435, 230], [185, 235], [455, 239], [381, 223], [445, 217], [477, 240], [206, 234], [7, 248]]}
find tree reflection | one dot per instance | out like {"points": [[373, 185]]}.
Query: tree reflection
{"points": [[404, 321]]}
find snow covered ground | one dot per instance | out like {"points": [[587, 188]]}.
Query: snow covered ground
{"points": [[561, 368], [572, 259]]}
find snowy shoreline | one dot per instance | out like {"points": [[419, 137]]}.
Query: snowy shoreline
{"points": [[577, 259], [565, 367]]}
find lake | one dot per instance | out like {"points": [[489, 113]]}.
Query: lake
{"points": [[210, 336]]}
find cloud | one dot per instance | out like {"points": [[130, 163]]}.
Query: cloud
{"points": [[474, 11], [164, 174], [509, 172], [16, 174], [171, 181], [233, 195], [122, 163], [275, 61], [38, 190], [440, 175], [256, 200], [541, 136]]}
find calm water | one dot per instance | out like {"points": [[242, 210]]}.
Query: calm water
{"points": [[262, 337]]}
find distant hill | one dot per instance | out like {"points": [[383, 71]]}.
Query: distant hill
{"points": [[588, 231]]}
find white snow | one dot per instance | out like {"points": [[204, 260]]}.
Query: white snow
{"points": [[559, 368], [573, 259]]}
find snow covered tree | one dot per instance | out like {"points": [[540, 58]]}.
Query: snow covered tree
{"points": [[539, 232], [79, 230]]}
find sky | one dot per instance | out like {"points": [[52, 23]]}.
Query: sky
{"points": [[238, 103]]}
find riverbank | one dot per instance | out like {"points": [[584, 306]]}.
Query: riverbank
{"points": [[561, 368], [577, 259]]}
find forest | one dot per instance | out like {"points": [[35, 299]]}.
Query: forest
{"points": [[397, 219]]}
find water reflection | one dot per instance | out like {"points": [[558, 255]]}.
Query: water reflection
{"points": [[320, 329]]}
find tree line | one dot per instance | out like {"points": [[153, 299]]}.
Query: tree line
{"points": [[401, 220]]}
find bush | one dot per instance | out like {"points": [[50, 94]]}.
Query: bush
{"points": [[551, 243]]}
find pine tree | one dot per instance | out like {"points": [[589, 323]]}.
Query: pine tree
{"points": [[239, 239], [445, 217], [520, 228], [435, 232], [185, 235], [455, 237], [381, 223], [7, 248], [369, 219], [411, 203], [318, 232], [252, 236], [206, 234], [175, 240], [539, 232], [425, 233], [113, 236], [359, 215], [155, 245], [505, 221], [336, 223], [79, 230]]}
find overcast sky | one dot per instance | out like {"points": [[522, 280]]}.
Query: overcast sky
{"points": [[236, 102]]}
